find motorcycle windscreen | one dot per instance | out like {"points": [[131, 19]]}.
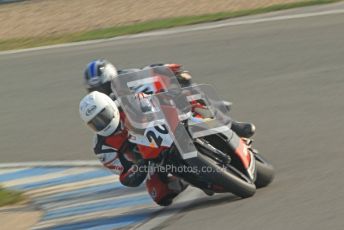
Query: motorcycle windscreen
{"points": [[170, 109], [210, 114], [149, 81], [160, 120]]}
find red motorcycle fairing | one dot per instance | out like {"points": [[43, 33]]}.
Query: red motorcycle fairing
{"points": [[148, 152], [244, 154]]}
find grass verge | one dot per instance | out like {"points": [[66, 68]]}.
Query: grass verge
{"points": [[20, 43], [9, 197]]}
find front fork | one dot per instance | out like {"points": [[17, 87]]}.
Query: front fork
{"points": [[243, 150]]}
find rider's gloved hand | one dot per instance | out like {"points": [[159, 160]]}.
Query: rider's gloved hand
{"points": [[183, 76], [144, 102]]}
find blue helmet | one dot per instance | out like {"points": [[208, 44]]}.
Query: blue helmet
{"points": [[98, 76]]}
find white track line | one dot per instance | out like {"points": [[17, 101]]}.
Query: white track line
{"points": [[94, 163], [49, 176], [88, 202], [4, 171], [107, 213], [185, 29], [71, 186]]}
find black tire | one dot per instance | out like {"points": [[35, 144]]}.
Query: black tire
{"points": [[265, 172], [230, 180]]}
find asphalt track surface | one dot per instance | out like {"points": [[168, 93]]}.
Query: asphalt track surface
{"points": [[286, 76]]}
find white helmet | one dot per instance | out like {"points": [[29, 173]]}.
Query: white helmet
{"points": [[100, 113]]}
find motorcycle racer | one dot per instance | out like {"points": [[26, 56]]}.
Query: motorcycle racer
{"points": [[99, 73], [115, 152]]}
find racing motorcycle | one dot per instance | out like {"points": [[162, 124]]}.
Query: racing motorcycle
{"points": [[188, 131]]}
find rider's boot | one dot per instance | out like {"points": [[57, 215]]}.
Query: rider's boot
{"points": [[243, 129]]}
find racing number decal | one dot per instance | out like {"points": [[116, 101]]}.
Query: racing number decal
{"points": [[152, 136], [156, 134], [161, 129]]}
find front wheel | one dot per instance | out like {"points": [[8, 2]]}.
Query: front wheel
{"points": [[265, 172], [230, 179]]}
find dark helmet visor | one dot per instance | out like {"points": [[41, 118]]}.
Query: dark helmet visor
{"points": [[102, 119], [103, 88]]}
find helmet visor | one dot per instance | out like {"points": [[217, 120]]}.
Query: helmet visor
{"points": [[102, 119], [103, 88]]}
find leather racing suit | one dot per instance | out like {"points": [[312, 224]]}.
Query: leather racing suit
{"points": [[120, 156]]}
